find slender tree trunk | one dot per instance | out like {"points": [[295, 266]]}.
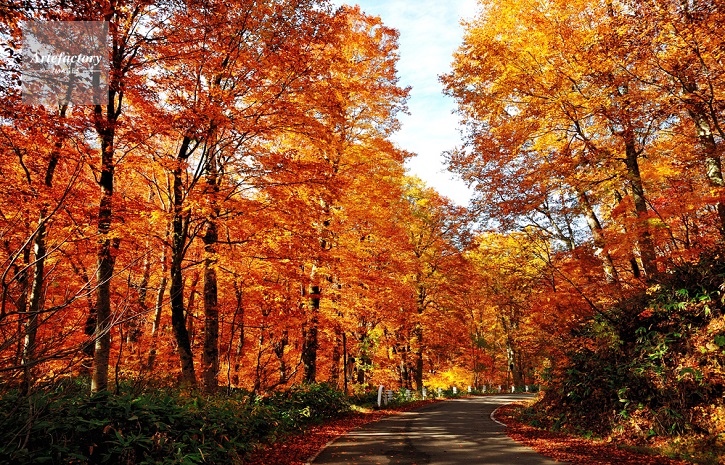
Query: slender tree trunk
{"points": [[632, 259], [711, 160], [21, 304], [336, 359], [346, 371], [418, 358], [509, 323], [107, 247], [309, 336], [178, 247], [310, 342], [239, 294], [648, 255], [279, 348], [210, 355], [700, 116], [36, 299], [417, 342], [158, 306], [404, 368], [134, 331], [258, 368], [512, 357], [105, 119], [39, 252], [364, 360], [610, 272]]}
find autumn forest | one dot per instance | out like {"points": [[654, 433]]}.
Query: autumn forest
{"points": [[235, 217]]}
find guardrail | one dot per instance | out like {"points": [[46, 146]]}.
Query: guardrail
{"points": [[385, 396]]}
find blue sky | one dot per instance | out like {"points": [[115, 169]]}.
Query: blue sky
{"points": [[430, 32]]}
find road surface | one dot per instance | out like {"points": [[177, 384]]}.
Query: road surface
{"points": [[454, 432]]}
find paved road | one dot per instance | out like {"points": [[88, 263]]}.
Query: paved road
{"points": [[454, 432]]}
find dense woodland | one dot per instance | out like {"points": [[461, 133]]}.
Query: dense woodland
{"points": [[237, 217]]}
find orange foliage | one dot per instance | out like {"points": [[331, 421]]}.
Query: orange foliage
{"points": [[255, 227]]}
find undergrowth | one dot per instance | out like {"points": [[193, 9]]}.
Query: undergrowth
{"points": [[63, 424], [651, 372]]}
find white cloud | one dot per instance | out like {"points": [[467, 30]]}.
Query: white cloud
{"points": [[430, 32]]}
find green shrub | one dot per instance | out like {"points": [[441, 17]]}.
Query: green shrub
{"points": [[65, 425], [308, 403], [367, 397], [649, 365]]}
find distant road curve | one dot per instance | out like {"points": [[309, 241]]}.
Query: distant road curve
{"points": [[454, 432]]}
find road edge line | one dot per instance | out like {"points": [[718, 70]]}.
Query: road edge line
{"points": [[317, 454], [493, 415]]}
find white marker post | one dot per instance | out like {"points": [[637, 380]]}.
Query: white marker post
{"points": [[469, 389], [380, 396], [425, 393]]}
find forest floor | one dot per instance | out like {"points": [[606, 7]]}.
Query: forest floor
{"points": [[298, 449], [573, 449]]}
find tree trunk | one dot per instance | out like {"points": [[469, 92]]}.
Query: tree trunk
{"points": [[309, 337], [345, 363], [510, 324], [648, 256], [258, 369], [364, 360], [512, 357], [610, 272], [178, 244], [210, 355], [107, 247], [418, 358], [279, 348], [21, 304], [632, 259], [711, 160], [239, 294], [417, 342], [404, 368], [39, 252], [105, 119], [134, 328], [335, 359], [158, 307], [710, 150], [36, 299]]}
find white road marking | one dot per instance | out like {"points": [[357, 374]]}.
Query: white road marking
{"points": [[493, 415]]}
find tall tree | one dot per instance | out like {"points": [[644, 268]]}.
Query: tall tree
{"points": [[356, 100], [599, 119]]}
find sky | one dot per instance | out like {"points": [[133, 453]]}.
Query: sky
{"points": [[430, 32]]}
